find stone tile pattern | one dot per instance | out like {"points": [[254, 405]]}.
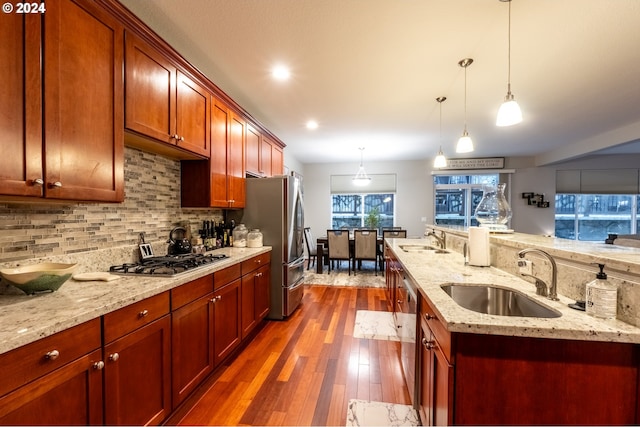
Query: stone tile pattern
{"points": [[151, 205], [366, 413]]}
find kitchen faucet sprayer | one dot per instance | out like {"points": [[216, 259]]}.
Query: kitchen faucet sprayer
{"points": [[440, 239], [553, 293]]}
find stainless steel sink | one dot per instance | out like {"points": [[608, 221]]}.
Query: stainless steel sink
{"points": [[423, 248], [499, 301]]}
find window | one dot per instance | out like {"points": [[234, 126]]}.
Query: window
{"points": [[592, 217], [457, 196], [352, 210]]}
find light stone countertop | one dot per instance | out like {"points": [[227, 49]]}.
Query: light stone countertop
{"points": [[27, 318], [430, 270]]}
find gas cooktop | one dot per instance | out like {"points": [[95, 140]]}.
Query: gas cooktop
{"points": [[167, 266]]}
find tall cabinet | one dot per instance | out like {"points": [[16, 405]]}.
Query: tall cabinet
{"points": [[62, 112]]}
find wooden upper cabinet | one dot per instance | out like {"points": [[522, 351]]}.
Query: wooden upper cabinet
{"points": [[253, 151], [277, 160], [164, 104], [235, 165], [81, 103]]}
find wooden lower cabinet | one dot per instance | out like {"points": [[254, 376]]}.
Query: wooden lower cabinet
{"points": [[255, 298], [504, 380], [227, 333], [137, 374]]}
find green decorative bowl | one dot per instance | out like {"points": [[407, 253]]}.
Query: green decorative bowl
{"points": [[45, 277]]}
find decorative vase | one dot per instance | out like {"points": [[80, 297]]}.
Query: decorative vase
{"points": [[493, 211]]}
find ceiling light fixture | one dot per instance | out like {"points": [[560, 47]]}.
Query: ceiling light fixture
{"points": [[281, 73], [465, 144], [509, 112], [361, 179], [440, 161], [312, 125]]}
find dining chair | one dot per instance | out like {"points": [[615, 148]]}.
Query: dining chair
{"points": [[312, 249], [389, 234], [338, 241], [365, 247]]}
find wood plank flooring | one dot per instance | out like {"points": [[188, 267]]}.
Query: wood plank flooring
{"points": [[304, 370]]}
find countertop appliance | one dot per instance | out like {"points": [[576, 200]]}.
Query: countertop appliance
{"points": [[167, 266], [275, 206]]}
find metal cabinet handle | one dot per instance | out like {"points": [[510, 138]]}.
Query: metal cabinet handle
{"points": [[429, 345], [52, 355], [37, 181], [114, 357], [428, 316], [215, 299], [143, 313], [98, 365], [56, 184], [175, 136]]}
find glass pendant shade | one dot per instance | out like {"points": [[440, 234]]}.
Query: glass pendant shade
{"points": [[361, 179], [509, 112], [440, 161], [465, 144]]}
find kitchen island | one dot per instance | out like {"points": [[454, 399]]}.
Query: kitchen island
{"points": [[474, 368]]}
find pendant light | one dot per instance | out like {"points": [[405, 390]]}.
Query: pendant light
{"points": [[440, 161], [465, 144], [509, 112], [361, 179]]}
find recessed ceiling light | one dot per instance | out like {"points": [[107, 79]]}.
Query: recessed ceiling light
{"points": [[280, 72], [312, 124]]}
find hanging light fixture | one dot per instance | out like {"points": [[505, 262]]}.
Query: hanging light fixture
{"points": [[465, 144], [509, 112], [440, 161], [361, 178]]}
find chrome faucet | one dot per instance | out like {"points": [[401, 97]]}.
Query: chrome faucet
{"points": [[441, 238], [540, 285]]}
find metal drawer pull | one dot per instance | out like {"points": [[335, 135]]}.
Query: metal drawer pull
{"points": [[98, 365], [429, 345], [52, 355], [38, 181], [114, 357], [428, 316], [143, 313], [216, 299], [56, 184]]}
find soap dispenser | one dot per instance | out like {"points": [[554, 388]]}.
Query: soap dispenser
{"points": [[601, 299]]}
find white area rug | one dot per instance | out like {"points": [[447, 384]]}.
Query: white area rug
{"points": [[364, 278], [365, 413], [376, 325]]}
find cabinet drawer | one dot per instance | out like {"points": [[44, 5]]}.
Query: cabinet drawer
{"points": [[429, 315], [255, 262], [229, 274], [191, 291], [31, 361], [131, 317]]}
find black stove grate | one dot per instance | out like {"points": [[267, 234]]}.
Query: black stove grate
{"points": [[169, 265]]}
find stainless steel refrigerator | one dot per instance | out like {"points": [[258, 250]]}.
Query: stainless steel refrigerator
{"points": [[275, 206]]}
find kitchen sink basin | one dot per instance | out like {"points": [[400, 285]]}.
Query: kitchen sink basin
{"points": [[422, 248], [499, 301]]}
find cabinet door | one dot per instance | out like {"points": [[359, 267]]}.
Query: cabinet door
{"points": [[150, 101], [253, 151], [193, 105], [138, 376], [219, 155], [70, 395], [235, 165], [277, 160], [21, 121], [227, 332], [83, 93], [248, 306], [263, 292], [192, 346], [265, 158], [425, 387], [436, 381]]}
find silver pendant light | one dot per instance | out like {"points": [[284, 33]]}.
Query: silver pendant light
{"points": [[465, 144], [509, 113], [361, 179], [440, 161]]}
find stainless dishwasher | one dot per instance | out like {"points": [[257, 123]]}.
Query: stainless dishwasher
{"points": [[406, 321]]}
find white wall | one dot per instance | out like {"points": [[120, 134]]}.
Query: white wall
{"points": [[415, 190], [414, 195]]}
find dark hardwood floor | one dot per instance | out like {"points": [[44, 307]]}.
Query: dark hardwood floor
{"points": [[304, 370]]}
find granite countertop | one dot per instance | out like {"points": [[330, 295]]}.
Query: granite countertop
{"points": [[430, 270], [27, 318]]}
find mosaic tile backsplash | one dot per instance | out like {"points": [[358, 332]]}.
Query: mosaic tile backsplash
{"points": [[152, 206]]}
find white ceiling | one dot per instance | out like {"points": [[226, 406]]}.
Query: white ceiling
{"points": [[369, 72]]}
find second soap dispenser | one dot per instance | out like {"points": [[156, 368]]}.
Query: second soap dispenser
{"points": [[601, 298]]}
